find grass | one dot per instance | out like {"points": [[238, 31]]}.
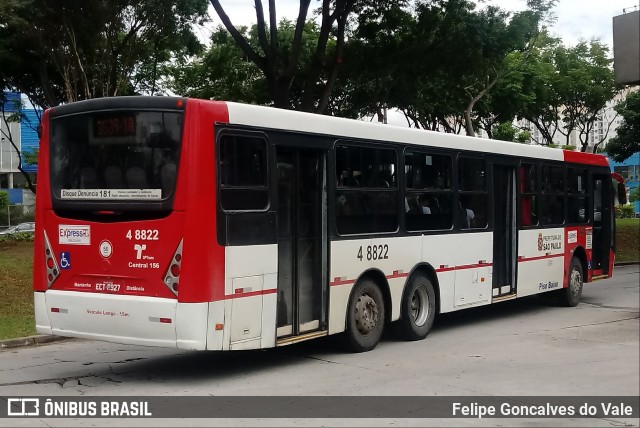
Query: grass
{"points": [[16, 291], [16, 264], [627, 239]]}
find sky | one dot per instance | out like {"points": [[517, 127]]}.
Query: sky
{"points": [[575, 19]]}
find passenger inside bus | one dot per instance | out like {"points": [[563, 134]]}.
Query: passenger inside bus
{"points": [[466, 215], [424, 205]]}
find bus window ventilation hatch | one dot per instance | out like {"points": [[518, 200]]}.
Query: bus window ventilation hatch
{"points": [[51, 264], [172, 277]]}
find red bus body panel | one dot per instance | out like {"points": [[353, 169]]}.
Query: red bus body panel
{"points": [[137, 271]]}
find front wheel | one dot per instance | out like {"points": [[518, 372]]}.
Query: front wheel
{"points": [[365, 317], [570, 296], [418, 309]]}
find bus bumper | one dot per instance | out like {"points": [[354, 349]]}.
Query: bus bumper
{"points": [[134, 320]]}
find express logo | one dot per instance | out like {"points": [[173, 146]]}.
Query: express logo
{"points": [[74, 234], [539, 241]]}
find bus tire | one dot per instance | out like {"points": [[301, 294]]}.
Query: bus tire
{"points": [[570, 296], [365, 317], [418, 309]]}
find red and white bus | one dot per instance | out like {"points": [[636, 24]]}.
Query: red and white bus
{"points": [[213, 225]]}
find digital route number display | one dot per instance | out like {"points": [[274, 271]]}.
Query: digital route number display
{"points": [[121, 125]]}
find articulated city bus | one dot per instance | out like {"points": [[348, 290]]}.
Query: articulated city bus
{"points": [[214, 225]]}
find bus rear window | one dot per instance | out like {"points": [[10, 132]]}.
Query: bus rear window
{"points": [[115, 156]]}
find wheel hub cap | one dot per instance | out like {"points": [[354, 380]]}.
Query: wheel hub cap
{"points": [[366, 314]]}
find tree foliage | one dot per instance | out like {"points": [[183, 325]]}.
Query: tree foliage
{"points": [[4, 200], [85, 49], [224, 72], [280, 63], [585, 84], [505, 131], [447, 65], [627, 140]]}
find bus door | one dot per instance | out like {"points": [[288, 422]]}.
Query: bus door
{"points": [[504, 230], [602, 235], [302, 241]]}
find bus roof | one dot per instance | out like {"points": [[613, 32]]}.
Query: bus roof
{"points": [[273, 118]]}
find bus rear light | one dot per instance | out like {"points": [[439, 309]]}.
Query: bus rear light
{"points": [[175, 270], [219, 327], [59, 311], [172, 276], [161, 320], [55, 310], [51, 264]]}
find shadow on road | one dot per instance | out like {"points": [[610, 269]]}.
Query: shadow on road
{"points": [[218, 366]]}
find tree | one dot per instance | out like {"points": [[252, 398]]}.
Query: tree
{"points": [[585, 85], [627, 140], [280, 66], [222, 72], [437, 63], [497, 37], [375, 68], [540, 83], [80, 50], [507, 132]]}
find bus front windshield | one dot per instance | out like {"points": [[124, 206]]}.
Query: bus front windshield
{"points": [[115, 156]]}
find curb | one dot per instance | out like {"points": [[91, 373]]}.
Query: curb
{"points": [[30, 341], [625, 264]]}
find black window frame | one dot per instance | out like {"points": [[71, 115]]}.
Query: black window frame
{"points": [[461, 192], [535, 193], [406, 190], [571, 194], [266, 188], [553, 193], [339, 190]]}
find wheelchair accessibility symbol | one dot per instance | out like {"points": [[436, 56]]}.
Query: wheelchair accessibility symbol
{"points": [[65, 260]]}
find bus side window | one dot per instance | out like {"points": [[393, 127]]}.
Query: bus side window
{"points": [[473, 197], [242, 162], [428, 193], [553, 199], [367, 190], [528, 197]]}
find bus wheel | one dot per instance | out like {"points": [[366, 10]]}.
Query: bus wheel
{"points": [[570, 296], [365, 319], [418, 309]]}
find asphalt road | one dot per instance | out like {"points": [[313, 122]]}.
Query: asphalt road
{"points": [[518, 348]]}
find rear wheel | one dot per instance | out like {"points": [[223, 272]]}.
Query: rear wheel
{"points": [[418, 309], [570, 296], [365, 317]]}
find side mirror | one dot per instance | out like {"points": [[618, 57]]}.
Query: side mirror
{"points": [[622, 193]]}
